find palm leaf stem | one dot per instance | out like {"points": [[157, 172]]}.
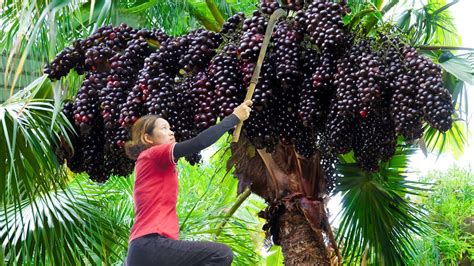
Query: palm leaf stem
{"points": [[215, 12], [241, 199], [444, 7]]}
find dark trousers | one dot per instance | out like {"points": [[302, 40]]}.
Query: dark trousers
{"points": [[155, 249]]}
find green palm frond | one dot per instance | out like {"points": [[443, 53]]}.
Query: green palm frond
{"points": [[461, 66], [66, 227], [173, 17], [118, 197], [431, 24], [359, 5], [454, 140], [30, 128], [441, 23], [45, 27], [376, 214], [230, 7], [274, 257]]}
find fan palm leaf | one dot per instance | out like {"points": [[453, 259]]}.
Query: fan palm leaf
{"points": [[61, 227], [376, 214], [30, 127]]}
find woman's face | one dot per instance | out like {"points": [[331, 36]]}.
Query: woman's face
{"points": [[162, 133]]}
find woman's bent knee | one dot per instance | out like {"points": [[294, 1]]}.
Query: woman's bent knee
{"points": [[226, 254], [229, 254]]}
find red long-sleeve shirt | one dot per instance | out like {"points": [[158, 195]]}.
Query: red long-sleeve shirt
{"points": [[156, 184], [155, 193]]}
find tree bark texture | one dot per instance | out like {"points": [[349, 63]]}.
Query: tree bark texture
{"points": [[299, 243]]}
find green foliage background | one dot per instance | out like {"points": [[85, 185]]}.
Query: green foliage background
{"points": [[450, 211]]}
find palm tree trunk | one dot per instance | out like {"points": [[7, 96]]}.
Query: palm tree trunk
{"points": [[300, 244], [294, 189]]}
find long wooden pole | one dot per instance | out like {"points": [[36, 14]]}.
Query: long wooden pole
{"points": [[256, 73]]}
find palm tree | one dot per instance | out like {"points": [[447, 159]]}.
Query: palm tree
{"points": [[377, 219], [31, 123]]}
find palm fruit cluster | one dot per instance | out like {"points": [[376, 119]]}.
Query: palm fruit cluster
{"points": [[322, 89]]}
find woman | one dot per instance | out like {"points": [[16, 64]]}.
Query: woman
{"points": [[155, 233]]}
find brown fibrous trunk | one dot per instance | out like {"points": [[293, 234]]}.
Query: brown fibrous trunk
{"points": [[300, 244], [294, 189]]}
